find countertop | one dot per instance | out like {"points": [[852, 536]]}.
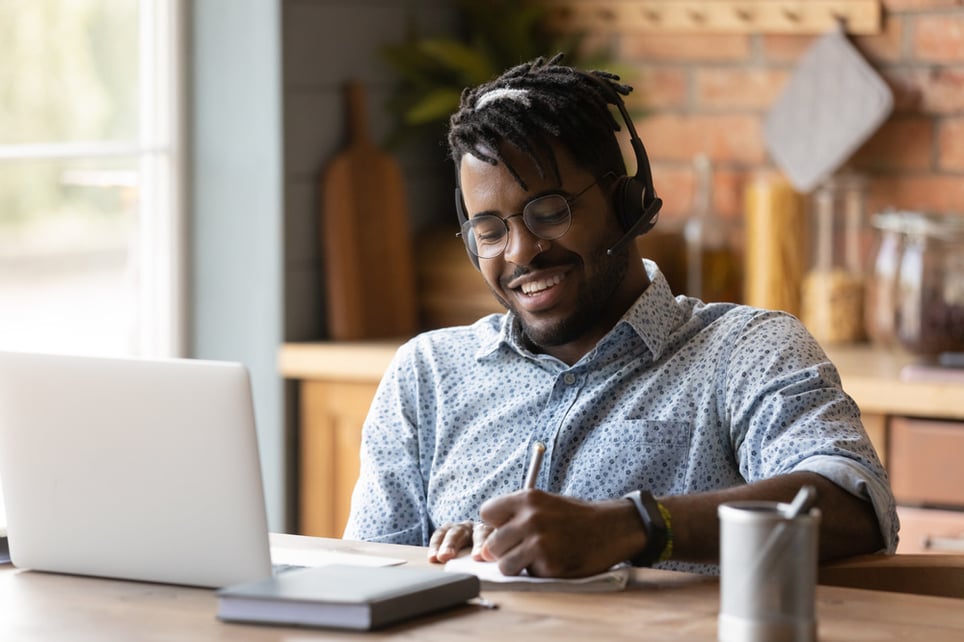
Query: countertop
{"points": [[872, 376]]}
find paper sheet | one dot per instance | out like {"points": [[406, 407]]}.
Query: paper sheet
{"points": [[323, 557], [614, 579]]}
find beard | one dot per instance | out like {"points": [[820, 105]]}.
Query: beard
{"points": [[606, 274]]}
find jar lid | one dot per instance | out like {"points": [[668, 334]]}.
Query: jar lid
{"points": [[919, 223]]}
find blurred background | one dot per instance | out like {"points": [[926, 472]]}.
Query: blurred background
{"points": [[161, 161]]}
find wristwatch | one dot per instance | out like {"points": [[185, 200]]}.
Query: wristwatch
{"points": [[656, 531]]}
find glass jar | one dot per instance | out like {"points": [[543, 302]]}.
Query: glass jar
{"points": [[929, 292], [832, 295], [881, 289]]}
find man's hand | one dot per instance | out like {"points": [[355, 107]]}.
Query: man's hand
{"points": [[451, 538], [557, 536]]}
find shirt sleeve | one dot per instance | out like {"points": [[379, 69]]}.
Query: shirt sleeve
{"points": [[388, 502], [789, 412]]}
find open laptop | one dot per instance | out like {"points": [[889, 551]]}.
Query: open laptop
{"points": [[131, 468]]}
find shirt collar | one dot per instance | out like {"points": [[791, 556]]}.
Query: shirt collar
{"points": [[656, 313]]}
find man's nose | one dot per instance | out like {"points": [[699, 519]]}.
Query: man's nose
{"points": [[521, 244]]}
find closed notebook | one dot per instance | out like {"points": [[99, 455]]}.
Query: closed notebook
{"points": [[345, 597]]}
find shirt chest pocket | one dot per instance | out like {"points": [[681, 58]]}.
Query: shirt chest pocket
{"points": [[617, 457]]}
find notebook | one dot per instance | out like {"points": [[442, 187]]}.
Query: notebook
{"points": [[132, 468], [492, 579], [346, 597]]}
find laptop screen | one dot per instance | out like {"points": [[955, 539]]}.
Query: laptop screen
{"points": [[132, 468]]}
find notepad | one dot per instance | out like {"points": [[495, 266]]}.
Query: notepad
{"points": [[346, 597], [615, 579]]}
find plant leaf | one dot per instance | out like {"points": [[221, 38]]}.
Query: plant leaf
{"points": [[435, 105], [467, 64]]}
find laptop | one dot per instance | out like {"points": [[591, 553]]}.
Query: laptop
{"points": [[132, 468]]}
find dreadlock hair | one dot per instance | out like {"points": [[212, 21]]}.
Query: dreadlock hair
{"points": [[531, 105]]}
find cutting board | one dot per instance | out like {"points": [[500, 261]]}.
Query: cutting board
{"points": [[365, 236]]}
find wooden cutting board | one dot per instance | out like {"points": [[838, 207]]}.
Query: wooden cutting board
{"points": [[365, 237]]}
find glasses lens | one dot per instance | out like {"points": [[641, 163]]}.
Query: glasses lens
{"points": [[548, 217], [485, 235]]}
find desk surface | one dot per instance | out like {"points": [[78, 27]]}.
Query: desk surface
{"points": [[41, 607]]}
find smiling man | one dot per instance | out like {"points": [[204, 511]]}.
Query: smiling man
{"points": [[652, 409]]}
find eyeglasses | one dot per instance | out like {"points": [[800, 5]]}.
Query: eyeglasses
{"points": [[547, 217]]}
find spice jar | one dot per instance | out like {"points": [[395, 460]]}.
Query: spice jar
{"points": [[832, 295], [929, 297]]}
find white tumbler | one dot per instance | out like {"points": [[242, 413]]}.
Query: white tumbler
{"points": [[768, 572]]}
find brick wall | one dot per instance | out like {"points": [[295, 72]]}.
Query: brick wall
{"points": [[709, 93]]}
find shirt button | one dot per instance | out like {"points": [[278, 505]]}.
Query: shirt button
{"points": [[569, 378]]}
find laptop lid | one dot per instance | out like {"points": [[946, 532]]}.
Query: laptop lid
{"points": [[132, 468]]}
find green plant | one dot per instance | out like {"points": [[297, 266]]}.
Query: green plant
{"points": [[498, 35]]}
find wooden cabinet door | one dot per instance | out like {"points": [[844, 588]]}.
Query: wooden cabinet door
{"points": [[332, 414]]}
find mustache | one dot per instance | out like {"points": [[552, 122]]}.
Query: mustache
{"points": [[538, 263]]}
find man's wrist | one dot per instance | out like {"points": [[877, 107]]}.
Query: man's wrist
{"points": [[655, 518]]}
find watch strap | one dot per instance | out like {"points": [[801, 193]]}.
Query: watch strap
{"points": [[657, 532]]}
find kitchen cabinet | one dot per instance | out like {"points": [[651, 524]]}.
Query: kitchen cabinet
{"points": [[337, 382]]}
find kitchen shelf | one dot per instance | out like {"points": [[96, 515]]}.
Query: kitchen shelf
{"points": [[715, 16]]}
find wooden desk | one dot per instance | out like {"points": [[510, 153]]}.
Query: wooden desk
{"points": [[659, 605]]}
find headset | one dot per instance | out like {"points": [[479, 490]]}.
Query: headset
{"points": [[634, 197]]}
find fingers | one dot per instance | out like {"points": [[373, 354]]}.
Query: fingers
{"points": [[448, 540], [506, 543], [498, 510], [480, 534]]}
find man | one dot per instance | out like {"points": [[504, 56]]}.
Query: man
{"points": [[652, 409]]}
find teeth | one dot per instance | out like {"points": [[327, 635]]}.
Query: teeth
{"points": [[538, 286]]}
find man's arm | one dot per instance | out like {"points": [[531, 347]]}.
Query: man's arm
{"points": [[848, 524], [552, 535]]}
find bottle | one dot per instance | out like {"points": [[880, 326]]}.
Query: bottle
{"points": [[832, 296], [712, 264]]}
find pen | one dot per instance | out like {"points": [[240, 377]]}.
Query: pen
{"points": [[538, 450]]}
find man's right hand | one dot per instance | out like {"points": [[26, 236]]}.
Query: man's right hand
{"points": [[448, 539]]}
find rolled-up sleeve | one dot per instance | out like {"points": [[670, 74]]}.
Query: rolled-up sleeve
{"points": [[789, 413]]}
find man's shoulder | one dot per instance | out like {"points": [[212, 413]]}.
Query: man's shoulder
{"points": [[456, 341]]}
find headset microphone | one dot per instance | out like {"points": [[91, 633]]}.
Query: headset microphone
{"points": [[643, 224]]}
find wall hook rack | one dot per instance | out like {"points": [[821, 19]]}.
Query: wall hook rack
{"points": [[716, 16]]}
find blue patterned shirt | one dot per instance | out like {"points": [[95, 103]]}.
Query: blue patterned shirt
{"points": [[679, 397]]}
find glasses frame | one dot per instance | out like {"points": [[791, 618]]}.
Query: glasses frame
{"points": [[467, 225]]}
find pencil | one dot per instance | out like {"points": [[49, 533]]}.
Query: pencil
{"points": [[538, 450]]}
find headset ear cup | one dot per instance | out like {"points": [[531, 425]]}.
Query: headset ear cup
{"points": [[460, 212], [628, 200]]}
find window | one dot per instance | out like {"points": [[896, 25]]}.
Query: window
{"points": [[90, 230], [90, 177]]}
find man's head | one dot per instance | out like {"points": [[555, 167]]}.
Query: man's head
{"points": [[533, 104], [543, 129]]}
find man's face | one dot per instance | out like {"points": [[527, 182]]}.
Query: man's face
{"points": [[566, 292]]}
